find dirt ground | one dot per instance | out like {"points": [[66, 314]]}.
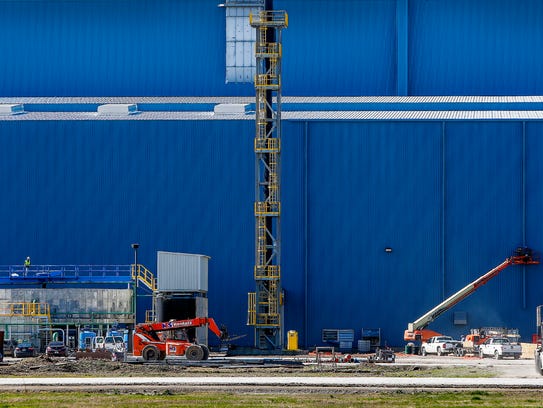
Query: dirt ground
{"points": [[84, 364], [91, 364], [101, 365]]}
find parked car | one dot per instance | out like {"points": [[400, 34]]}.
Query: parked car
{"points": [[56, 348], [9, 347], [24, 349]]}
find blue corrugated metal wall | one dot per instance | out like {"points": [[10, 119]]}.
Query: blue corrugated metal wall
{"points": [[108, 48], [82, 192], [339, 48], [64, 176], [379, 186], [342, 47], [534, 205], [451, 199], [484, 217], [466, 47]]}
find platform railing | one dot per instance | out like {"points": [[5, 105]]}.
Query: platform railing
{"points": [[51, 273], [143, 275]]}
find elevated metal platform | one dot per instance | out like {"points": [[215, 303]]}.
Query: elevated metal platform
{"points": [[81, 274]]}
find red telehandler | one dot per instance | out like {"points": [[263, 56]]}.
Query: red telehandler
{"points": [[155, 341], [417, 330]]}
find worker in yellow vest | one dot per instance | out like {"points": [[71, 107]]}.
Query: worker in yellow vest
{"points": [[27, 264]]}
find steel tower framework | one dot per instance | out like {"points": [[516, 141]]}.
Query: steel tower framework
{"points": [[266, 303]]}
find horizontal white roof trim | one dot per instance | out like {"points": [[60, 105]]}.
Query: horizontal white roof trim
{"points": [[293, 116], [414, 115], [285, 99]]}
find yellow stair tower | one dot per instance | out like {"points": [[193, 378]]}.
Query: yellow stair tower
{"points": [[265, 311]]}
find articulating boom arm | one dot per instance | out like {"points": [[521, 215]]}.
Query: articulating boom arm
{"points": [[156, 341], [153, 328], [415, 330]]}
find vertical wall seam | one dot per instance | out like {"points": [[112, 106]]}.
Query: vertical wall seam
{"points": [[523, 181], [306, 233], [443, 196]]}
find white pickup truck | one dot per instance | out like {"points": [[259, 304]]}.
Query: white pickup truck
{"points": [[499, 347], [539, 359], [439, 345]]}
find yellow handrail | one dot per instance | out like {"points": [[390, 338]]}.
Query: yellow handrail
{"points": [[251, 312], [149, 316], [269, 18], [267, 208], [26, 309], [144, 275]]}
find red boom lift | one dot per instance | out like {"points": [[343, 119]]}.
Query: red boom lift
{"points": [[155, 341], [417, 331]]}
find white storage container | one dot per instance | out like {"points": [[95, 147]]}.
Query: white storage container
{"points": [[179, 272]]}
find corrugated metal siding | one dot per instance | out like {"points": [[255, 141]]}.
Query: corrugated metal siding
{"points": [[465, 47], [440, 107], [341, 47], [179, 272], [379, 115], [372, 186], [294, 229], [82, 192], [122, 47], [483, 220], [534, 206], [446, 197], [202, 310]]}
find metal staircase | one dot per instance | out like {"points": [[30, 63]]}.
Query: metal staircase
{"points": [[140, 274], [144, 275], [265, 305]]}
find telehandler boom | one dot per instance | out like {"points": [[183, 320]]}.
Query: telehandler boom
{"points": [[417, 331]]}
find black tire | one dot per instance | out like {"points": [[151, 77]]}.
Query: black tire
{"points": [[497, 355], [439, 353], [150, 353], [538, 368], [481, 354], [206, 351], [194, 353], [423, 351]]}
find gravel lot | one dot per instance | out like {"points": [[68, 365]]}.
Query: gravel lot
{"points": [[510, 368], [303, 365], [268, 374]]}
